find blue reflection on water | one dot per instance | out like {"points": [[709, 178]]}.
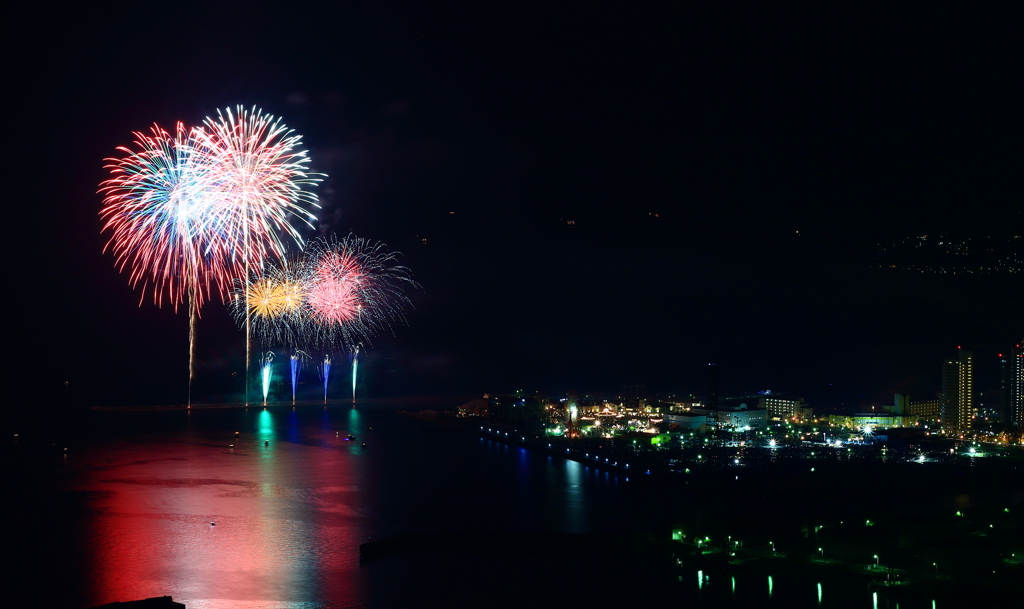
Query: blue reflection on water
{"points": [[575, 500]]}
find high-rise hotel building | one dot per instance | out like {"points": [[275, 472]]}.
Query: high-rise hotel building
{"points": [[958, 392], [1011, 373]]}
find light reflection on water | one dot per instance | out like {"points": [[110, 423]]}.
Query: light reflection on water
{"points": [[270, 521], [292, 500]]}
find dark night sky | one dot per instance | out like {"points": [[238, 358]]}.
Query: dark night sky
{"points": [[737, 125]]}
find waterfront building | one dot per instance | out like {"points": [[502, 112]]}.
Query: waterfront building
{"points": [[958, 392]]}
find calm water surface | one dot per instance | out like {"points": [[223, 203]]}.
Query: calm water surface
{"points": [[292, 500]]}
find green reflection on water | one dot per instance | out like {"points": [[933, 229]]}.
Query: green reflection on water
{"points": [[265, 426], [353, 421]]}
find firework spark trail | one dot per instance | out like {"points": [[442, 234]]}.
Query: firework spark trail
{"points": [[325, 369], [355, 370], [266, 368], [296, 364], [333, 294]]}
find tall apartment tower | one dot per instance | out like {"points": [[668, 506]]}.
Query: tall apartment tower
{"points": [[1011, 377], [958, 392]]}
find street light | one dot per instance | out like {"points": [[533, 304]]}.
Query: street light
{"points": [[876, 561], [822, 553]]}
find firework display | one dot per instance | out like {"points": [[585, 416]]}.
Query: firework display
{"points": [[209, 210], [339, 294], [262, 182], [156, 206], [271, 301], [192, 212], [356, 290]]}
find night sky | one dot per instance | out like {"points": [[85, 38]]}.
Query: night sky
{"points": [[729, 172]]}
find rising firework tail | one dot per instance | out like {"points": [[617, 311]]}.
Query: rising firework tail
{"points": [[355, 371]]}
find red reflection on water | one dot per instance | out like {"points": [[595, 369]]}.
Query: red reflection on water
{"points": [[286, 527]]}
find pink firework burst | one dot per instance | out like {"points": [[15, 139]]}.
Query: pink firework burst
{"points": [[334, 295], [354, 290]]}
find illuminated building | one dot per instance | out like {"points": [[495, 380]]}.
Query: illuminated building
{"points": [[958, 392], [781, 407], [572, 414], [687, 421], [871, 420], [737, 415], [929, 410], [1011, 377], [685, 406]]}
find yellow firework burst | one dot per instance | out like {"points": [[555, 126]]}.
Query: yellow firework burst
{"points": [[271, 297]]}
